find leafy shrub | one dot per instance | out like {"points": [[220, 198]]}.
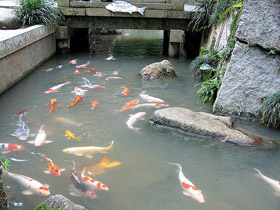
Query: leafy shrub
{"points": [[46, 207], [271, 110], [31, 12]]}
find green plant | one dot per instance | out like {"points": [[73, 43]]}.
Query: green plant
{"points": [[209, 88], [46, 207], [4, 161], [31, 12], [271, 110]]}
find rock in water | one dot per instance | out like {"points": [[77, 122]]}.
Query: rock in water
{"points": [[158, 70], [204, 124]]}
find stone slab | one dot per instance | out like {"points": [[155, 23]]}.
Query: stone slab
{"points": [[249, 78], [67, 11], [260, 23]]}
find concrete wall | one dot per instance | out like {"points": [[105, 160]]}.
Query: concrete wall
{"points": [[23, 51]]}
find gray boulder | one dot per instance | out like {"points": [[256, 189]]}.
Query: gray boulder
{"points": [[158, 70], [260, 23], [204, 124], [62, 203], [8, 20]]}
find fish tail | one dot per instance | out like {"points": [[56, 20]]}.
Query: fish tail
{"points": [[111, 146], [259, 175], [178, 165], [142, 10], [137, 130], [79, 139]]}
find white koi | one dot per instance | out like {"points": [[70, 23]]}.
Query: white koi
{"points": [[155, 105], [147, 98], [108, 78], [133, 118], [87, 151], [110, 58], [79, 91], [83, 65], [189, 189], [55, 88], [274, 183], [32, 186], [40, 138], [93, 184]]}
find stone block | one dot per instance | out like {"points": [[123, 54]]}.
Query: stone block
{"points": [[178, 5], [63, 3], [176, 36], [62, 32], [73, 11]]}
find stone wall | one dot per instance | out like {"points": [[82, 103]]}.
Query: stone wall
{"points": [[252, 74], [23, 51]]}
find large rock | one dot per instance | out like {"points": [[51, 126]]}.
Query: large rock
{"points": [[260, 23], [59, 201], [8, 20], [158, 70], [249, 78], [205, 124]]}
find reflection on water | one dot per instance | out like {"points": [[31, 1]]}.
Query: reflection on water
{"points": [[224, 173]]}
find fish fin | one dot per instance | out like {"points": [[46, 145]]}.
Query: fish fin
{"points": [[62, 169], [79, 139], [142, 10], [186, 193], [46, 185], [31, 142], [48, 141], [105, 161], [32, 135], [27, 192], [79, 154], [136, 130], [114, 163], [74, 194], [47, 172], [259, 175], [89, 156]]}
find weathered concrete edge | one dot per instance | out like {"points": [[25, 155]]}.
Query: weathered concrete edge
{"points": [[27, 37]]}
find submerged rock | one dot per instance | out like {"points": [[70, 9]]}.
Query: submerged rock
{"points": [[158, 70], [59, 201], [206, 125]]}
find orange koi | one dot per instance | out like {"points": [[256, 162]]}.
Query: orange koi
{"points": [[53, 104], [91, 70], [126, 91], [77, 72], [75, 101], [94, 104], [130, 104], [52, 167]]}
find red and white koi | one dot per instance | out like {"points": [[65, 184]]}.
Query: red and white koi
{"points": [[32, 186], [147, 98], [133, 118], [99, 74], [55, 88], [59, 67], [189, 189], [155, 105], [77, 72], [93, 184], [83, 65], [79, 91], [115, 73], [273, 183], [6, 148], [73, 61], [50, 69], [40, 138]]}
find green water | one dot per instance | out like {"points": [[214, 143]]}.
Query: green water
{"points": [[144, 181]]}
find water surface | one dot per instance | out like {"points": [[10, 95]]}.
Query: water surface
{"points": [[144, 181]]}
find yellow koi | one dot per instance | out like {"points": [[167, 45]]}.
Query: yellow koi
{"points": [[70, 135]]}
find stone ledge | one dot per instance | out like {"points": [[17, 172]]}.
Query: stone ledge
{"points": [[21, 38]]}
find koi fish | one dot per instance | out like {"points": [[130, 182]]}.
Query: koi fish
{"points": [[77, 72], [100, 167], [274, 183], [71, 135], [59, 67], [40, 138], [67, 121], [126, 91], [73, 61], [99, 74], [50, 69], [32, 186], [189, 189], [19, 160], [22, 132], [113, 78], [130, 104], [93, 184], [22, 112], [6, 148], [89, 85], [91, 70], [80, 189], [115, 73], [155, 105], [94, 104], [110, 58], [133, 118], [75, 101], [83, 65], [52, 167], [53, 104], [87, 151], [55, 88], [148, 98], [79, 91]]}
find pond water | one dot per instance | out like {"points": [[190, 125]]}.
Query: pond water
{"points": [[145, 180]]}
